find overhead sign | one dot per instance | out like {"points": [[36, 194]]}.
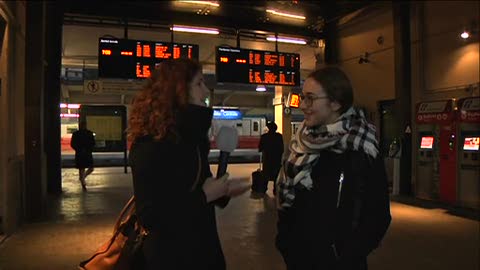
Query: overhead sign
{"points": [[435, 112], [109, 87], [235, 65], [469, 110], [224, 114], [136, 59]]}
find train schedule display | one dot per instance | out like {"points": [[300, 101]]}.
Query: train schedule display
{"points": [[136, 59], [235, 65]]}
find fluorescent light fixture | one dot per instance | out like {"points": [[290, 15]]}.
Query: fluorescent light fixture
{"points": [[192, 29], [69, 106], [69, 115], [208, 3], [272, 11], [287, 40], [465, 35], [261, 88]]}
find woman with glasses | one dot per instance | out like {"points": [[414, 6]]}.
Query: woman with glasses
{"points": [[332, 191]]}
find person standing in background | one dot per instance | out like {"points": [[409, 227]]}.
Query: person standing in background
{"points": [[271, 146], [83, 142]]}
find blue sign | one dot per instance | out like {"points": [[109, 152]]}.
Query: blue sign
{"points": [[227, 114]]}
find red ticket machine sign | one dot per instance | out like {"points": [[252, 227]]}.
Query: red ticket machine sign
{"points": [[438, 117], [469, 152]]}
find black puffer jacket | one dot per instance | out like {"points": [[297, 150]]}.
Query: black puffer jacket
{"points": [[330, 227], [183, 230]]}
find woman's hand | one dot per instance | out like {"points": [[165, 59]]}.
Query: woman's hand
{"points": [[215, 188], [237, 186]]}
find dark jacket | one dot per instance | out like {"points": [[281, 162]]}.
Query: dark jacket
{"points": [[182, 225], [271, 146], [83, 142], [328, 229]]}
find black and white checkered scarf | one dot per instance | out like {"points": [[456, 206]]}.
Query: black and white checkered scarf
{"points": [[350, 131]]}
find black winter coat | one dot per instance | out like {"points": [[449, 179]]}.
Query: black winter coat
{"points": [[83, 142], [182, 225], [332, 228], [271, 146]]}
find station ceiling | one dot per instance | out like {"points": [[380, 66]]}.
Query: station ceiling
{"points": [[245, 20], [248, 17]]}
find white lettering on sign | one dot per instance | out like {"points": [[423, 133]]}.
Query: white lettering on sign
{"points": [[432, 107], [108, 41], [228, 50], [471, 104]]}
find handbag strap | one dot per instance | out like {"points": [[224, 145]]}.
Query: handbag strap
{"points": [[198, 171], [128, 208]]}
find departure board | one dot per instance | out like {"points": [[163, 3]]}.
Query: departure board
{"points": [[235, 65], [136, 59]]}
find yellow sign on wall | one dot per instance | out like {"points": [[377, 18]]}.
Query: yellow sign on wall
{"points": [[106, 128]]}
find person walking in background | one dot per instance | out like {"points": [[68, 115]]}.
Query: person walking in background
{"points": [[271, 146], [175, 192], [83, 142], [333, 195]]}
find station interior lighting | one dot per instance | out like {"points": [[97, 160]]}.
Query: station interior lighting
{"points": [[287, 40], [261, 88], [69, 106], [283, 14], [208, 3], [194, 29], [465, 35]]}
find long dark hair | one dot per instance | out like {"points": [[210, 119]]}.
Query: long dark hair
{"points": [[153, 109]]}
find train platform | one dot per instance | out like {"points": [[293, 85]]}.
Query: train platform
{"points": [[422, 235]]}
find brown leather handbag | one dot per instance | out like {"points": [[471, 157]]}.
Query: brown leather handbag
{"points": [[123, 251]]}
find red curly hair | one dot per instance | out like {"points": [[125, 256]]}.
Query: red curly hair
{"points": [[153, 109]]}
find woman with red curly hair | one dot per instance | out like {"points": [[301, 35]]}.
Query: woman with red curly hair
{"points": [[173, 186]]}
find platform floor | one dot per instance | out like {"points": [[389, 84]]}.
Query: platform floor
{"points": [[420, 237]]}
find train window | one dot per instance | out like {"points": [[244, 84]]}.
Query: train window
{"points": [[255, 126], [239, 124]]}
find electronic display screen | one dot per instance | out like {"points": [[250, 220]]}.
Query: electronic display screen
{"points": [[227, 114], [235, 65], [471, 143], [427, 142], [294, 100], [136, 59]]}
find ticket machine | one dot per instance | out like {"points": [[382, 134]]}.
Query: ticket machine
{"points": [[436, 159], [469, 152]]}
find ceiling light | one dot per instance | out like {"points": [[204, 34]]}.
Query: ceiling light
{"points": [[191, 29], [208, 3], [261, 88], [272, 11], [287, 40], [465, 35]]}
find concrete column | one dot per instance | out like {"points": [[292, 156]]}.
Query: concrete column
{"points": [[331, 36], [402, 112], [282, 120], [51, 97], [35, 173]]}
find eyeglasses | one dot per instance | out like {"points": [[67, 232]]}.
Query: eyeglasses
{"points": [[308, 99]]}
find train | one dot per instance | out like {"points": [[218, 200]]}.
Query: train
{"points": [[249, 129]]}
